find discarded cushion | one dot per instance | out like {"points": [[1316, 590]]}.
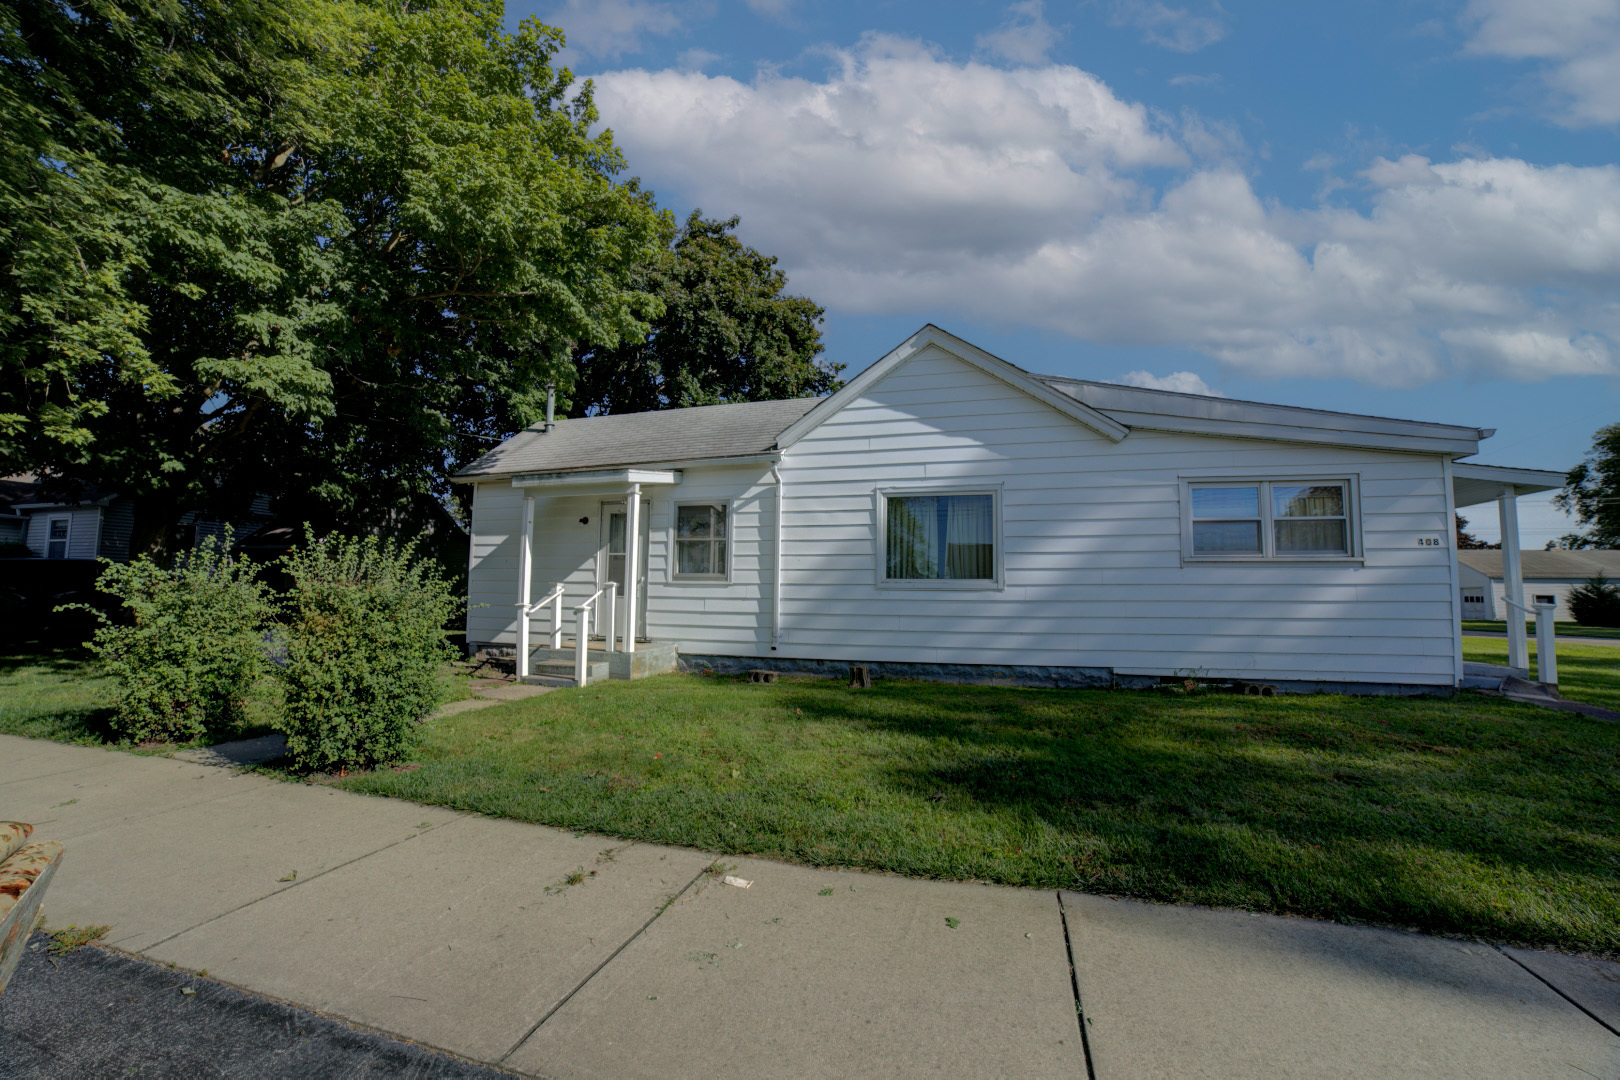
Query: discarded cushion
{"points": [[13, 834]]}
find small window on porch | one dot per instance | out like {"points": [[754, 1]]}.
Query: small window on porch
{"points": [[700, 542], [1544, 598]]}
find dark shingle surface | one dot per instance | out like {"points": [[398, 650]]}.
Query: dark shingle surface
{"points": [[626, 439]]}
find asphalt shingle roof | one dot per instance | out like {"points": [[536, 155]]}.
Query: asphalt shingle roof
{"points": [[628, 439], [1547, 564]]}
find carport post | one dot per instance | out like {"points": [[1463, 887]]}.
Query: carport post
{"points": [[1507, 506]]}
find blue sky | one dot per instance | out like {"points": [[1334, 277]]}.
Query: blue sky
{"points": [[1400, 208]]}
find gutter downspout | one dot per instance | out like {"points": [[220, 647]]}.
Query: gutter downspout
{"points": [[776, 564]]}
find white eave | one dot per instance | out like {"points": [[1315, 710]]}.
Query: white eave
{"points": [[584, 482], [1475, 484]]}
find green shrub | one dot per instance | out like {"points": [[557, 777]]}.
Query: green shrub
{"points": [[1597, 603], [193, 647], [364, 635]]}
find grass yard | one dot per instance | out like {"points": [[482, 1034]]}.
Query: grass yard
{"points": [[1470, 815], [1563, 629], [1589, 673]]}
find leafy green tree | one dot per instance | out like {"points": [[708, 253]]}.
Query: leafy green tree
{"points": [[1592, 493], [728, 333], [325, 250]]}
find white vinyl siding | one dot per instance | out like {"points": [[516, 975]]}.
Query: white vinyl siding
{"points": [[1092, 547], [1092, 570], [84, 531]]}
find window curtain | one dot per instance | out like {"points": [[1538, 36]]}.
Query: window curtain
{"points": [[970, 537], [913, 537]]}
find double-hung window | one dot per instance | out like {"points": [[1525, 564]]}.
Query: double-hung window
{"points": [[943, 539], [1269, 519], [56, 537], [700, 542]]}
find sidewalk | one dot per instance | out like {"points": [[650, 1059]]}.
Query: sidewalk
{"points": [[565, 955]]}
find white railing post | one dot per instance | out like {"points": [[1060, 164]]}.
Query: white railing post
{"points": [[1546, 647], [582, 633], [612, 627], [632, 564], [556, 619], [525, 573]]}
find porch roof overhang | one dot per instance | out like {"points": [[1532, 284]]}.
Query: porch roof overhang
{"points": [[1475, 484], [587, 482]]}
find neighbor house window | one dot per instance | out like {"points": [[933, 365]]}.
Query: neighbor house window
{"points": [[700, 541], [56, 537], [942, 538], [1258, 519]]}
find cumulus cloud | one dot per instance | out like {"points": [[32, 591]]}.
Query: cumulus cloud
{"points": [[1182, 382], [1172, 28], [610, 28], [1025, 38], [903, 180], [1577, 42]]}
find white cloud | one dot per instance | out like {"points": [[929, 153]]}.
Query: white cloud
{"points": [[1577, 41], [1182, 382], [1173, 28], [903, 180], [696, 59], [610, 28], [1025, 37]]}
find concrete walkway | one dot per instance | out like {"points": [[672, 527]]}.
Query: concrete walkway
{"points": [[564, 955]]}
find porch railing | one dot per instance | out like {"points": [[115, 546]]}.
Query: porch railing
{"points": [[1546, 640], [525, 612], [582, 628]]}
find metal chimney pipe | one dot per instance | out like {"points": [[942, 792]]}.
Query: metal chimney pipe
{"points": [[551, 406]]}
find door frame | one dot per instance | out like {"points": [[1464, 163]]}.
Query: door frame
{"points": [[608, 508]]}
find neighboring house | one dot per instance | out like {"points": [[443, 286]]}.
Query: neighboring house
{"points": [[1548, 578], [65, 521], [948, 514]]}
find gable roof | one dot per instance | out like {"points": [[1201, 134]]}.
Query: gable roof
{"points": [[966, 351], [1198, 414], [1546, 564], [670, 436]]}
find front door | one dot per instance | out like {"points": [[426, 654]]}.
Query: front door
{"points": [[610, 561]]}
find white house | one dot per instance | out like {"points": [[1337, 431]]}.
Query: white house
{"points": [[1548, 578], [949, 514]]}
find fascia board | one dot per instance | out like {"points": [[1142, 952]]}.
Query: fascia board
{"points": [[1229, 429], [1502, 474], [932, 336], [596, 478], [664, 466]]}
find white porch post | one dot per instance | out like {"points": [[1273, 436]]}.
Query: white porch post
{"points": [[525, 574], [632, 565], [1507, 506]]}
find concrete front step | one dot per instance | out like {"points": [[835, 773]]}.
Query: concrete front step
{"points": [[549, 672], [1488, 676]]}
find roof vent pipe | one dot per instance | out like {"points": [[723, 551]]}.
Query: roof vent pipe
{"points": [[551, 406]]}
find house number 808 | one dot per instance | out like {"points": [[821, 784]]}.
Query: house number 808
{"points": [[1428, 541]]}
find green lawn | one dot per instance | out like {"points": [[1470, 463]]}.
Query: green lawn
{"points": [[1563, 629], [1589, 673], [1471, 815]]}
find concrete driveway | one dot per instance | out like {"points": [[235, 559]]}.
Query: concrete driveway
{"points": [[558, 954]]}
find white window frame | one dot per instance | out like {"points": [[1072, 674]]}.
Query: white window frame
{"points": [[880, 540], [66, 541], [677, 578], [1268, 533]]}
